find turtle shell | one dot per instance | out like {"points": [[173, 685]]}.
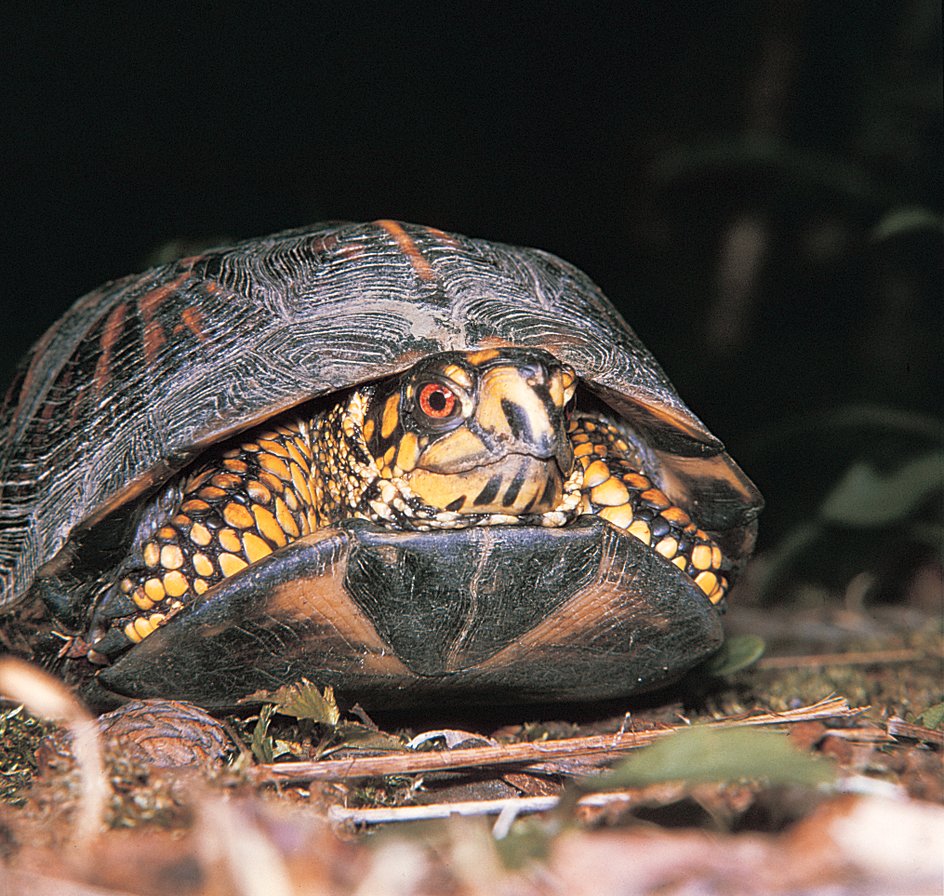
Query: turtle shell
{"points": [[142, 375]]}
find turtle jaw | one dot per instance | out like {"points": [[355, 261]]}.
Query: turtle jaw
{"points": [[515, 484]]}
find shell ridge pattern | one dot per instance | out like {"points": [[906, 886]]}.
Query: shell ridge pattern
{"points": [[283, 278], [276, 273], [423, 258], [41, 419], [370, 285], [511, 262], [55, 351], [542, 301], [112, 401]]}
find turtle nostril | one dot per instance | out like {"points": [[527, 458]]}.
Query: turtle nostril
{"points": [[535, 374]]}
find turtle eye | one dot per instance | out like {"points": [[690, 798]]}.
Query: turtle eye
{"points": [[437, 401]]}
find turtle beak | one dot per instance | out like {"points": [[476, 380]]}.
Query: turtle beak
{"points": [[521, 408]]}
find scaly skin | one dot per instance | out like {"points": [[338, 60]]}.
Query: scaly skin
{"points": [[461, 440]]}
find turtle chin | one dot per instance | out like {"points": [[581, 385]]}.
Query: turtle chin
{"points": [[515, 485]]}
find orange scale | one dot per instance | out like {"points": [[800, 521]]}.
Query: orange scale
{"points": [[275, 465], [677, 515], [701, 557], [285, 518], [230, 564], [271, 481], [273, 447], [300, 481], [268, 526], [227, 481], [211, 492], [154, 590], [172, 557], [254, 547], [303, 459], [194, 505], [152, 554], [595, 473], [199, 534], [237, 516], [229, 540], [202, 565], [610, 493], [176, 584], [258, 492], [656, 498]]}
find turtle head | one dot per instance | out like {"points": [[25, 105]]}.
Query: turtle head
{"points": [[477, 432]]}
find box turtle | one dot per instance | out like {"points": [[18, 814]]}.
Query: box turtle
{"points": [[417, 467]]}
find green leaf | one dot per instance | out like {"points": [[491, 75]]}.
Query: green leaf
{"points": [[353, 735], [735, 654], [304, 701], [905, 220], [701, 754], [932, 717], [864, 497], [262, 744]]}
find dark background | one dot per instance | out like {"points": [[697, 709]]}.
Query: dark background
{"points": [[757, 185]]}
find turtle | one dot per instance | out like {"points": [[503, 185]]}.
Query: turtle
{"points": [[416, 467]]}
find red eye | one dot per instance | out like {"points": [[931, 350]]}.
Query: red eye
{"points": [[436, 401]]}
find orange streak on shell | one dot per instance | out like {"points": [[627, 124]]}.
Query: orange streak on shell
{"points": [[193, 319], [409, 249], [444, 238], [152, 333], [114, 324]]}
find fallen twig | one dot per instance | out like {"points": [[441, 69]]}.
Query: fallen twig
{"points": [[898, 727], [511, 806], [544, 756], [860, 658]]}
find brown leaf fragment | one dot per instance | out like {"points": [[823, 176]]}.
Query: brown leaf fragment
{"points": [[533, 785], [900, 728], [805, 735], [839, 749]]}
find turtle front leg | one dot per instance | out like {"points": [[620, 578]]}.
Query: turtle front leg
{"points": [[236, 509], [616, 490]]}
